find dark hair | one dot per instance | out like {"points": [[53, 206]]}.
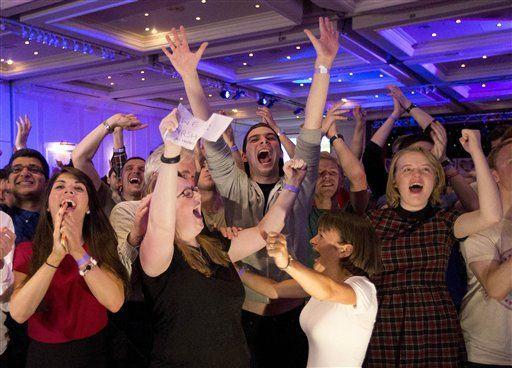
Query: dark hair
{"points": [[97, 232], [498, 132], [244, 146], [132, 158], [4, 174], [493, 155], [352, 229], [28, 152], [406, 141]]}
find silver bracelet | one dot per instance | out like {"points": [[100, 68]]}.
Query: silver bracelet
{"points": [[108, 128]]}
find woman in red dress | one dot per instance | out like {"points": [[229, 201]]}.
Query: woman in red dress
{"points": [[417, 323]]}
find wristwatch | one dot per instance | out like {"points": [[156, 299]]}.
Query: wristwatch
{"points": [[334, 137]]}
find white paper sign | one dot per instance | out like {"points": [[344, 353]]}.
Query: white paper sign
{"points": [[190, 128]]}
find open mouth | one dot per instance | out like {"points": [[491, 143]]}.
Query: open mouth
{"points": [[264, 157], [197, 213], [134, 180], [416, 188], [69, 203]]}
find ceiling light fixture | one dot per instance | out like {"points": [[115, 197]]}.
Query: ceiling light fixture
{"points": [[234, 110], [458, 21], [146, 14], [351, 74], [225, 93], [339, 80], [381, 75], [376, 96], [498, 99], [484, 57], [2, 60], [109, 77], [257, 6], [297, 47], [36, 52], [462, 65], [198, 18], [203, 1], [154, 31], [251, 54], [142, 72], [9, 62], [344, 100], [146, 29], [143, 79], [112, 83], [412, 92], [484, 85], [244, 63], [181, 98], [209, 95], [288, 57], [302, 84], [434, 34], [27, 42], [499, 24]]}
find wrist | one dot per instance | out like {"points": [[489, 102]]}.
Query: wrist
{"points": [[134, 239], [292, 185], [172, 151], [78, 254], [54, 259], [322, 60]]}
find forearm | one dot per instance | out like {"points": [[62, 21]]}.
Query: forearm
{"points": [[316, 99], [118, 138], [357, 144], [422, 118], [288, 145], [260, 284], [87, 148], [499, 282], [466, 194], [157, 248], [106, 288], [195, 94], [381, 135], [352, 167], [275, 216], [488, 195], [26, 299]]}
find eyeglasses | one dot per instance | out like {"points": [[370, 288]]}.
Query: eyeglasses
{"points": [[34, 169], [188, 192]]}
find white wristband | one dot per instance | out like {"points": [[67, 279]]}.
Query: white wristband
{"points": [[322, 69]]}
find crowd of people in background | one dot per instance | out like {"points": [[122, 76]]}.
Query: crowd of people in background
{"points": [[230, 257]]}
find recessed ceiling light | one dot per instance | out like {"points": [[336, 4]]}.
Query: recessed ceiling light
{"points": [[143, 79], [36, 52], [412, 92], [484, 85], [351, 74], [146, 29], [244, 63], [297, 47], [112, 83], [257, 6], [297, 116], [203, 1], [154, 31], [344, 100], [9, 62], [339, 80], [310, 78], [434, 34], [209, 95], [181, 98], [462, 65], [376, 96], [288, 57], [234, 110], [302, 84], [498, 99], [458, 21], [142, 72], [146, 14], [198, 18], [2, 60], [251, 54], [27, 42], [381, 75], [109, 77], [499, 24], [484, 57]]}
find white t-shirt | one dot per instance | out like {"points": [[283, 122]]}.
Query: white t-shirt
{"points": [[338, 334], [487, 323], [6, 280]]}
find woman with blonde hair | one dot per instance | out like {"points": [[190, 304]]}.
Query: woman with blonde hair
{"points": [[417, 323]]}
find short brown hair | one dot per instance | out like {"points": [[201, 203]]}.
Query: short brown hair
{"points": [[359, 232], [392, 194], [493, 155]]}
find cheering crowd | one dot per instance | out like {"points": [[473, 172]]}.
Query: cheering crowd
{"points": [[229, 257]]}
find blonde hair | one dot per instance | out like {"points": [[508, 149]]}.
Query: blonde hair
{"points": [[195, 259], [392, 194]]}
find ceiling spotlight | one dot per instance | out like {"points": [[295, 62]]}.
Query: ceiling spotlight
{"points": [[298, 111], [381, 75], [181, 98], [297, 47], [434, 34], [154, 31], [498, 100], [263, 101], [458, 21], [209, 94], [288, 57], [344, 100], [146, 14], [462, 65], [499, 24], [234, 110], [203, 1], [36, 52], [376, 96], [143, 79], [224, 93], [239, 94], [142, 72], [198, 18], [257, 6], [9, 62], [484, 57], [251, 54], [2, 60], [302, 84], [412, 92], [111, 83], [244, 63], [27, 42], [484, 85], [351, 74], [339, 80], [146, 29], [109, 77]]}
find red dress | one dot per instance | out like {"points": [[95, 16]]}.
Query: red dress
{"points": [[417, 324], [69, 311]]}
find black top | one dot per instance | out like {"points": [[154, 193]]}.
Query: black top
{"points": [[266, 189], [375, 168], [196, 319]]}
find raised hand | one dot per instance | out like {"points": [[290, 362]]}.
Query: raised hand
{"points": [[71, 231], [168, 125], [333, 114], [182, 59], [398, 109], [276, 248], [7, 238], [294, 172], [229, 136], [327, 45], [126, 122], [470, 140], [403, 102], [24, 126], [267, 118], [440, 139], [359, 114], [140, 224], [59, 249]]}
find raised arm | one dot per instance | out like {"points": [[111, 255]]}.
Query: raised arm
{"points": [[490, 209], [422, 118], [465, 193], [229, 138], [314, 283], [157, 248], [251, 240], [270, 288], [266, 117], [85, 150], [24, 126], [380, 137], [358, 138], [119, 156], [326, 48], [185, 62]]}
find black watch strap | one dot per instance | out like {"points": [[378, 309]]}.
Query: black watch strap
{"points": [[170, 160], [411, 106], [334, 137]]}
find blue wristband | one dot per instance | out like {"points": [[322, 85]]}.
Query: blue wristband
{"points": [[83, 260], [291, 188], [234, 148]]}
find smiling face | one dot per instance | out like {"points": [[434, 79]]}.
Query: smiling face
{"points": [[262, 153], [27, 179], [328, 179], [132, 178], [415, 178], [189, 222], [68, 191], [6, 196]]}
